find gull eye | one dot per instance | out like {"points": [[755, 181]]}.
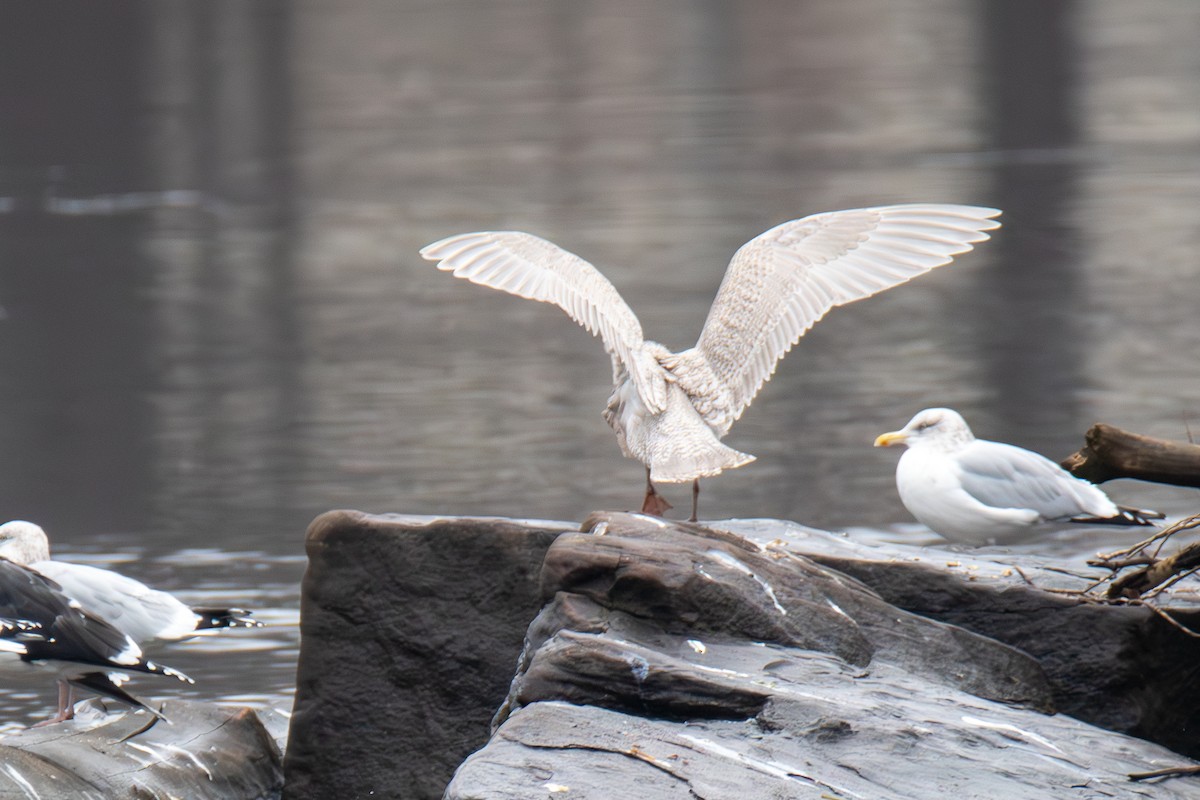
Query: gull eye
{"points": [[924, 426]]}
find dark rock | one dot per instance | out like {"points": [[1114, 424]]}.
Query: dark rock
{"points": [[701, 583], [205, 751], [411, 628], [695, 581], [594, 669]]}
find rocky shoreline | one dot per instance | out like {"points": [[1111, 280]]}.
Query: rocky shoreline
{"points": [[630, 656], [637, 657]]}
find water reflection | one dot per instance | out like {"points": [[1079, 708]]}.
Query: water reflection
{"points": [[218, 326], [1032, 350]]}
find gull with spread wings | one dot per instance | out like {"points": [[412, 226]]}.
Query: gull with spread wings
{"points": [[671, 410]]}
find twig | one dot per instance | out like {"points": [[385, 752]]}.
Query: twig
{"points": [[1133, 561], [1168, 618], [1168, 584], [1138, 582], [1184, 524], [1169, 772]]}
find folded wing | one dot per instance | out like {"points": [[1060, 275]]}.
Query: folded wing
{"points": [[1004, 476], [780, 283]]}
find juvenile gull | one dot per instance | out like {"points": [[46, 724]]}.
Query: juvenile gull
{"points": [[151, 617], [40, 627], [670, 410], [975, 491]]}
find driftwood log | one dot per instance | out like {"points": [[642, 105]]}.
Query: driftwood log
{"points": [[1110, 452]]}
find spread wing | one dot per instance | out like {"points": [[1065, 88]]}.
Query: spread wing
{"points": [[781, 282], [529, 266]]}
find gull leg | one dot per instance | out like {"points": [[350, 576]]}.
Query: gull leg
{"points": [[695, 499], [66, 705], [654, 503]]}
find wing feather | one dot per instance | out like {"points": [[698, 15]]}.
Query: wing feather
{"points": [[529, 266], [1004, 476], [781, 282]]}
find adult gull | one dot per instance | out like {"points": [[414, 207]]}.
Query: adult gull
{"points": [[43, 628], [670, 410], [975, 491], [151, 617]]}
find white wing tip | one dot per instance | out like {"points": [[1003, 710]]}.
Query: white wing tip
{"points": [[975, 218], [442, 248]]}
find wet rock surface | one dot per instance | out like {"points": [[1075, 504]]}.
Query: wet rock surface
{"points": [[662, 659], [689, 579], [205, 751], [1119, 667]]}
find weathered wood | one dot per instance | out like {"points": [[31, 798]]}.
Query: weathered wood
{"points": [[1138, 582], [1110, 452], [1169, 772]]}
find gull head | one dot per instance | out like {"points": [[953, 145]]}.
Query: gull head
{"points": [[939, 428], [23, 542]]}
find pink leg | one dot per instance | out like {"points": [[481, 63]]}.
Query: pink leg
{"points": [[654, 503], [66, 705]]}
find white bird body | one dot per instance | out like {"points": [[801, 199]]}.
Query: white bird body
{"points": [[670, 410], [149, 616], [976, 491], [678, 442]]}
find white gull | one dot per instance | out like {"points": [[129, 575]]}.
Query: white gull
{"points": [[974, 491], [670, 410]]}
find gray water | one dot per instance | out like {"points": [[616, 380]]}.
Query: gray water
{"points": [[217, 325]]}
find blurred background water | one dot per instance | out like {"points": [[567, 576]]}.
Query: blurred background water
{"points": [[216, 324]]}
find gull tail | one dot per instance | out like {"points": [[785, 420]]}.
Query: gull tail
{"points": [[678, 445], [697, 458]]}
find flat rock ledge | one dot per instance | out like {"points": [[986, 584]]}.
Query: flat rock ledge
{"points": [[205, 752], [739, 659]]}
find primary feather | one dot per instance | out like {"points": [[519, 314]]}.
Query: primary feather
{"points": [[780, 283]]}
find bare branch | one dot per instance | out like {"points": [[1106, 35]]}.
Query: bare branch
{"points": [[1138, 582], [1171, 620], [1169, 772]]}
